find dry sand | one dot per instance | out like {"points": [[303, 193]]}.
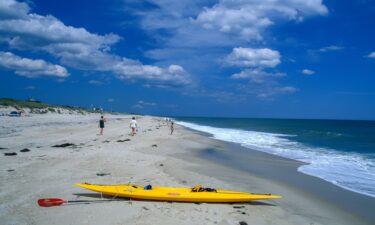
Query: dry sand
{"points": [[176, 160]]}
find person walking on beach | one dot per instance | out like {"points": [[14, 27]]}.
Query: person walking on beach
{"points": [[172, 127], [101, 124], [133, 125]]}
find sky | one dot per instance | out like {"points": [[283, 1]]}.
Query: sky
{"points": [[218, 58]]}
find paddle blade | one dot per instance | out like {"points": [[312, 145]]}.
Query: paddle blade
{"points": [[49, 202]]}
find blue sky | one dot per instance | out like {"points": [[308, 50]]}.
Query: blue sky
{"points": [[234, 58]]}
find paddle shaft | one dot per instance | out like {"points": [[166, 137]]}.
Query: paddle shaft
{"points": [[49, 202]]}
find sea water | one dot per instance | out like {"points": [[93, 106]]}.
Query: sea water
{"points": [[339, 151]]}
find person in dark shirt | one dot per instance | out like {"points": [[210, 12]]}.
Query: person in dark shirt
{"points": [[101, 124], [172, 127]]}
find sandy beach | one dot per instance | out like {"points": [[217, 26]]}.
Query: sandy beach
{"points": [[155, 157]]}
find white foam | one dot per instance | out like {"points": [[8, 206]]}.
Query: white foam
{"points": [[351, 171]]}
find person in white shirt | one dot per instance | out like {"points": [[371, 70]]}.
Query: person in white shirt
{"points": [[133, 126]]}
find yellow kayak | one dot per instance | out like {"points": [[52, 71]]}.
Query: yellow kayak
{"points": [[196, 194]]}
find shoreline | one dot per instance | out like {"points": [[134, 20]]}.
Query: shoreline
{"points": [[282, 174], [285, 172], [340, 156], [184, 159]]}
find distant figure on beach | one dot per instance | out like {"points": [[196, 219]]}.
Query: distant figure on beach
{"points": [[133, 125], [101, 124], [172, 127]]}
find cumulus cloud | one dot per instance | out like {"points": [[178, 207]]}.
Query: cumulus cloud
{"points": [[308, 72], [128, 69], [31, 67], [254, 64], [10, 9], [255, 61], [195, 27], [196, 32], [34, 32], [75, 47], [248, 19], [250, 57], [371, 55]]}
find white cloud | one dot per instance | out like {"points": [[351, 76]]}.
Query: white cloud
{"points": [[50, 34], [263, 84], [266, 90], [250, 57], [131, 69], [331, 48], [11, 9], [142, 104], [278, 91], [257, 75], [248, 19], [199, 31], [308, 72], [234, 21], [31, 67], [76, 47], [371, 55], [268, 93], [197, 28]]}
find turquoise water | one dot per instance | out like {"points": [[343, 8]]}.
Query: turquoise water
{"points": [[339, 151]]}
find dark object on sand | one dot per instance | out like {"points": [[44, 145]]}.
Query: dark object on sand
{"points": [[155, 145], [102, 174], [106, 141], [161, 164], [242, 223], [123, 140], [10, 153], [3, 148], [25, 150], [14, 114], [63, 145], [10, 170], [239, 207]]}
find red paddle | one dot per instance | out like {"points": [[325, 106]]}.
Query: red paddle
{"points": [[50, 202]]}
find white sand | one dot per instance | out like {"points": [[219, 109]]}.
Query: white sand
{"points": [[46, 172]]}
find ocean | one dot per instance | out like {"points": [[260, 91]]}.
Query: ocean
{"points": [[339, 151]]}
